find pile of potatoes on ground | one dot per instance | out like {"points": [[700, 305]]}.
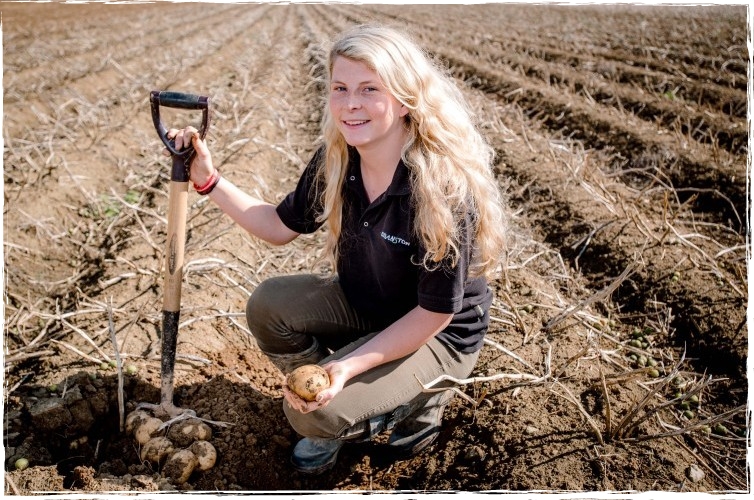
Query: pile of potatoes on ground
{"points": [[178, 450]]}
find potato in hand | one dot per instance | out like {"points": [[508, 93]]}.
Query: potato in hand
{"points": [[307, 381]]}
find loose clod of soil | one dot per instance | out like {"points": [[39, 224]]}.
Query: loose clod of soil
{"points": [[616, 357]]}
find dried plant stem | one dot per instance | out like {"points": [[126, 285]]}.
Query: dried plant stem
{"points": [[560, 371], [677, 431], [87, 338], [513, 355], [704, 464], [517, 316], [627, 423], [601, 295], [83, 355], [574, 400], [608, 407], [24, 356], [12, 484], [119, 364], [527, 378]]}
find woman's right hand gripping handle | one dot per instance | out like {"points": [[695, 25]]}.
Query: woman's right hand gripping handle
{"points": [[201, 168]]}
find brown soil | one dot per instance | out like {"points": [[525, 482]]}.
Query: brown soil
{"points": [[622, 144]]}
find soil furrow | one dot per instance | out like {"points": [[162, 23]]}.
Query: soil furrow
{"points": [[519, 43], [696, 58], [80, 109], [52, 35], [97, 38], [90, 81], [667, 110], [708, 96]]}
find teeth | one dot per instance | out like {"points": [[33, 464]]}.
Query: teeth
{"points": [[360, 122]]}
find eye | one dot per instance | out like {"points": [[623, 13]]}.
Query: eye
{"points": [[338, 88]]}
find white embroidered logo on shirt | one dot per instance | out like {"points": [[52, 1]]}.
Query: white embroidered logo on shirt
{"points": [[394, 239]]}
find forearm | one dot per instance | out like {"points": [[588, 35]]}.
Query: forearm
{"points": [[400, 339], [257, 217]]}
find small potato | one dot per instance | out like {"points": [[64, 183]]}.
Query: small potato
{"points": [[134, 419], [180, 465], [307, 381], [143, 432], [205, 454], [187, 431], [156, 450]]}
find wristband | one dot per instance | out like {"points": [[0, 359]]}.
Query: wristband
{"points": [[209, 185]]}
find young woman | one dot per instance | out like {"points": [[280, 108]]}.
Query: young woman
{"points": [[416, 224]]}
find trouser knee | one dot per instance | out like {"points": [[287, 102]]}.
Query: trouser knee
{"points": [[265, 316], [258, 309]]}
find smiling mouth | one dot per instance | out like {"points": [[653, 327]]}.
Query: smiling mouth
{"points": [[354, 123]]}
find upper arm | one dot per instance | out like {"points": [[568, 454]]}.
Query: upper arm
{"points": [[279, 233]]}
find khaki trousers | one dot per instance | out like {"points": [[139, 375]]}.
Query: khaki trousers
{"points": [[286, 313]]}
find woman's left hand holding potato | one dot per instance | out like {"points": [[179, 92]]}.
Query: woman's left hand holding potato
{"points": [[323, 398]]}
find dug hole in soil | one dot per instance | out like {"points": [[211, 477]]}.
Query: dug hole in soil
{"points": [[616, 355]]}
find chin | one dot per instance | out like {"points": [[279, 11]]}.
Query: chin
{"points": [[353, 142]]}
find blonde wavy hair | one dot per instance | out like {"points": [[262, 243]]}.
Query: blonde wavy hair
{"points": [[450, 162]]}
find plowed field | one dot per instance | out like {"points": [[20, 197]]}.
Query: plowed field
{"points": [[617, 352]]}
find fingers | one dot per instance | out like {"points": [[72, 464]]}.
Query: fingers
{"points": [[298, 404], [182, 137], [199, 145], [201, 167], [324, 398]]}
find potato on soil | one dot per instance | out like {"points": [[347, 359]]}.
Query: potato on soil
{"points": [[156, 450], [307, 381], [143, 432], [205, 454], [135, 419], [185, 432], [180, 465]]}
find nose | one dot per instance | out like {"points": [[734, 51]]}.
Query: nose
{"points": [[353, 101]]}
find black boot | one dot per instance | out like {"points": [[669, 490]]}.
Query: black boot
{"points": [[420, 429]]}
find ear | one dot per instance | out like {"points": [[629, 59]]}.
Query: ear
{"points": [[403, 111]]}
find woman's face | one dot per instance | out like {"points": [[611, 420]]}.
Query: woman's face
{"points": [[364, 111]]}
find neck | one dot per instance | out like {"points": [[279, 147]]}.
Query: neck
{"points": [[377, 170], [379, 162], [381, 157]]}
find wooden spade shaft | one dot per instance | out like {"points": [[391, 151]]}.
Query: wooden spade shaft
{"points": [[171, 307]]}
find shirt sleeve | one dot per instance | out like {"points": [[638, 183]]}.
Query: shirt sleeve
{"points": [[442, 290], [301, 207]]}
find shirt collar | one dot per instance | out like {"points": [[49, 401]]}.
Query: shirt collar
{"points": [[399, 186]]}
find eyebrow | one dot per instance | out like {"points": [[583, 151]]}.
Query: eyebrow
{"points": [[366, 82]]}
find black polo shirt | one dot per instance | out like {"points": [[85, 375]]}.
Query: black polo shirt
{"points": [[379, 258]]}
